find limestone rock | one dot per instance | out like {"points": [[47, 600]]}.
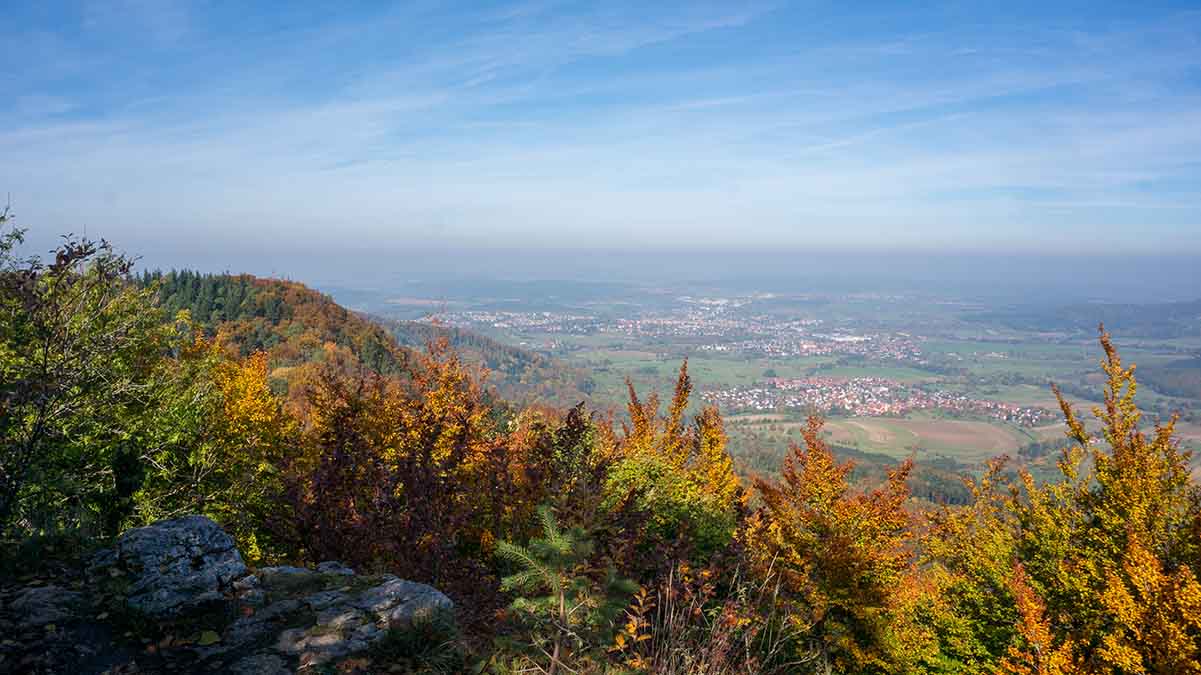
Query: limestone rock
{"points": [[348, 622], [187, 576], [173, 566], [335, 567], [398, 602]]}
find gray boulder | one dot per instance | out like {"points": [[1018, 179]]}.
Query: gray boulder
{"points": [[325, 620], [318, 617], [397, 603], [173, 566], [186, 573]]}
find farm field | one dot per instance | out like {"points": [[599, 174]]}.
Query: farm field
{"points": [[1036, 395], [966, 441], [612, 366]]}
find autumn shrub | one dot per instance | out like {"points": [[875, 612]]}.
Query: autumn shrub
{"points": [[568, 462], [968, 555], [216, 443], [839, 556], [406, 474], [680, 475], [709, 621], [1111, 548]]}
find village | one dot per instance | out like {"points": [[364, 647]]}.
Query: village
{"points": [[866, 397], [708, 328]]}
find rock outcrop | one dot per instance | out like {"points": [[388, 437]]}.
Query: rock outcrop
{"points": [[173, 566], [177, 597]]}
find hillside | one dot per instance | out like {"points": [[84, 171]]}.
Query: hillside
{"points": [[286, 319], [116, 415], [291, 322]]}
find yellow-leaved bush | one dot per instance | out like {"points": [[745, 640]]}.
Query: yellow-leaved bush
{"points": [[681, 476]]}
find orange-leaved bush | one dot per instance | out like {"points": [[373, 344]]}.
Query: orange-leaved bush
{"points": [[839, 555]]}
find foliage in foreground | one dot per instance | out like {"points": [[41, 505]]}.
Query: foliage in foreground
{"points": [[566, 609], [572, 543]]}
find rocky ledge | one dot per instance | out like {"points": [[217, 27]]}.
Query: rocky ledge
{"points": [[177, 597]]}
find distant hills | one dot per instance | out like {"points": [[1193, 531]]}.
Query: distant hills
{"points": [[1151, 320]]}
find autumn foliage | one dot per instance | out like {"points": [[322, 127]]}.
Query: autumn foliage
{"points": [[575, 540], [839, 555]]}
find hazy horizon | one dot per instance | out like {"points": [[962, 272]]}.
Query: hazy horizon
{"points": [[1038, 278]]}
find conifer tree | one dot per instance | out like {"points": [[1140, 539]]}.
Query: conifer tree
{"points": [[568, 613]]}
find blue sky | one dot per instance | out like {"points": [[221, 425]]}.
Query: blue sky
{"points": [[178, 128]]}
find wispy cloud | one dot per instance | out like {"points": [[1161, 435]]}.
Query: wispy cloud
{"points": [[557, 124]]}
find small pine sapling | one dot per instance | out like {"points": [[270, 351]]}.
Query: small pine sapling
{"points": [[568, 608]]}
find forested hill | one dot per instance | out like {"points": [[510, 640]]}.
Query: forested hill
{"points": [[292, 322], [286, 319]]}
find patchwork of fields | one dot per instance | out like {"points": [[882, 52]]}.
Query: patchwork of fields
{"points": [[964, 440], [861, 353]]}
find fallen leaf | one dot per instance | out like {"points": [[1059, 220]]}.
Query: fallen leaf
{"points": [[101, 616], [208, 637]]}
